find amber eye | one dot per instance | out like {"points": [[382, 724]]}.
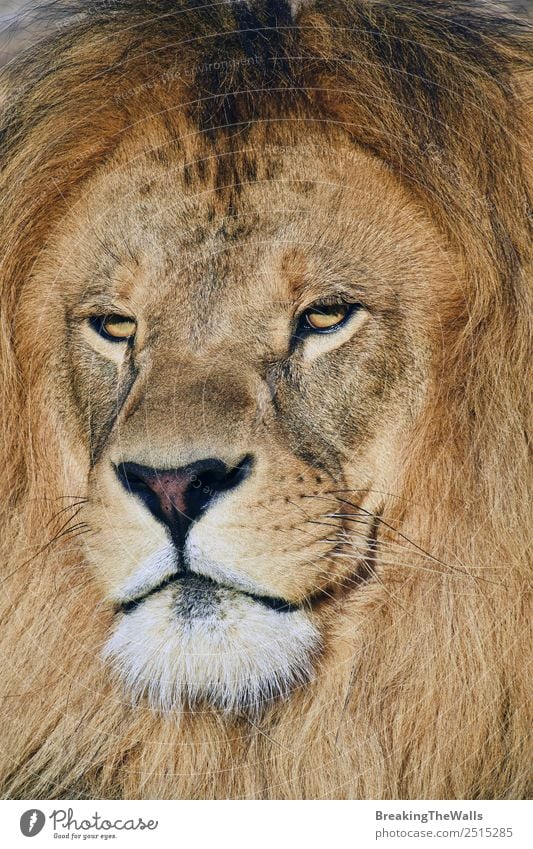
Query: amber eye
{"points": [[324, 317], [114, 328]]}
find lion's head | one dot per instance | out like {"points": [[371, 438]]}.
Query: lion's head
{"points": [[265, 355]]}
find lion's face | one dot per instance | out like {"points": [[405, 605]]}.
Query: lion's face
{"points": [[246, 367]]}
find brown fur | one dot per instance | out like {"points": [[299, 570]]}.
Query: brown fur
{"points": [[422, 691]]}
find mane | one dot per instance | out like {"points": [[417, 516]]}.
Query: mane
{"points": [[438, 92]]}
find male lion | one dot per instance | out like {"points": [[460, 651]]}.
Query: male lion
{"points": [[264, 340]]}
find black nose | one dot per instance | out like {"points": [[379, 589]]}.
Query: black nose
{"points": [[178, 497]]}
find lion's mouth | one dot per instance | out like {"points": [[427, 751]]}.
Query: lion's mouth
{"points": [[191, 640], [166, 570], [200, 585], [184, 637]]}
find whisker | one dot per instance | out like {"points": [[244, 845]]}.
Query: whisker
{"points": [[376, 491], [409, 566], [399, 533], [358, 508], [68, 507], [404, 544], [69, 530], [63, 530], [392, 545]]}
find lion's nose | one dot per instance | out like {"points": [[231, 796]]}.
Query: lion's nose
{"points": [[178, 497]]}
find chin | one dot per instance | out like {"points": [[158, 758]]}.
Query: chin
{"points": [[192, 643]]}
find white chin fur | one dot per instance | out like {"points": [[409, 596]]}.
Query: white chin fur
{"points": [[188, 644]]}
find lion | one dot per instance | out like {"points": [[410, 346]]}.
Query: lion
{"points": [[266, 293]]}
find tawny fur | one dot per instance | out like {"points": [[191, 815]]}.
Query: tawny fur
{"points": [[428, 697]]}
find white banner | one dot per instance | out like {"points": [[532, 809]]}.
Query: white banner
{"points": [[266, 825]]}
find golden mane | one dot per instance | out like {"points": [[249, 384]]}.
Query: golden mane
{"points": [[437, 91]]}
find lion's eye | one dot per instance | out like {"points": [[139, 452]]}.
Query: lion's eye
{"points": [[322, 318], [115, 328]]}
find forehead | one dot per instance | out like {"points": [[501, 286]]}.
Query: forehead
{"points": [[261, 223]]}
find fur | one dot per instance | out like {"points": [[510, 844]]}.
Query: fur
{"points": [[422, 687]]}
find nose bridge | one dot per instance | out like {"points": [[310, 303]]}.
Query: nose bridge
{"points": [[182, 412]]}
